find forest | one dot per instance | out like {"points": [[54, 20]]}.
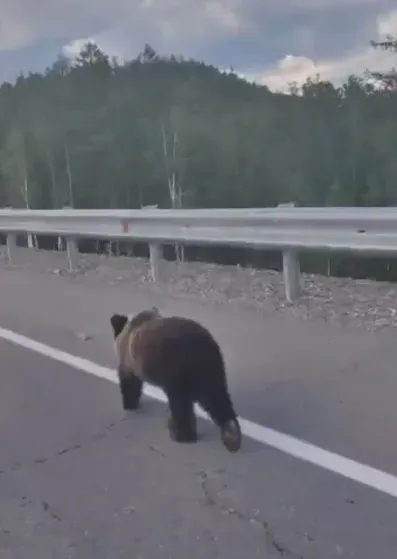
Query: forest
{"points": [[94, 133]]}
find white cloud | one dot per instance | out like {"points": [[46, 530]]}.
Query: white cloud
{"points": [[387, 24], [15, 30], [296, 68], [72, 49], [238, 33], [177, 26], [23, 22], [225, 15]]}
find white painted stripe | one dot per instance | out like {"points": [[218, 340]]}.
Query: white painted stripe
{"points": [[331, 461]]}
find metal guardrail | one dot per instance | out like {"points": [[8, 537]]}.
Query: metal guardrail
{"points": [[285, 228]]}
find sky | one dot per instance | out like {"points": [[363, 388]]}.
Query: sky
{"points": [[268, 41]]}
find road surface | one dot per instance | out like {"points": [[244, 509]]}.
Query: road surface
{"points": [[80, 478]]}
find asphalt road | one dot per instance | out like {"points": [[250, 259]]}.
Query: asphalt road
{"points": [[80, 478]]}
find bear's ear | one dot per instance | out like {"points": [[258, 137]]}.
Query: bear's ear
{"points": [[156, 311], [118, 321]]}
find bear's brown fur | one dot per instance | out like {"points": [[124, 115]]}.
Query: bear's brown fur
{"points": [[180, 356]]}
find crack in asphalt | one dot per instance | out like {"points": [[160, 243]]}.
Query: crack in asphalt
{"points": [[275, 545], [50, 511], [79, 534], [78, 446]]}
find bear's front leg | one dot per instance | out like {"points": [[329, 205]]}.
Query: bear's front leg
{"points": [[131, 390]]}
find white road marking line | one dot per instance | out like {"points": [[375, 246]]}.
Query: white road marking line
{"points": [[292, 446]]}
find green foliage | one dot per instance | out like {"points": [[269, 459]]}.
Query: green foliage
{"points": [[175, 132], [93, 133]]}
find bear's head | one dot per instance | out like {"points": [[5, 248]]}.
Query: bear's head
{"points": [[119, 321]]}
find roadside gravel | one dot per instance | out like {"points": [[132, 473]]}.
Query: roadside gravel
{"points": [[358, 303]]}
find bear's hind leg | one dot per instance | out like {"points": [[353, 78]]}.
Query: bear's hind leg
{"points": [[219, 407], [131, 391], [182, 424]]}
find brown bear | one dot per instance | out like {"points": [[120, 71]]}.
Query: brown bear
{"points": [[181, 357]]}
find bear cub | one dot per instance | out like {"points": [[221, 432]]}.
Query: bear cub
{"points": [[181, 357]]}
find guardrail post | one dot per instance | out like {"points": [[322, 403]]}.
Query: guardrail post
{"points": [[155, 258], [72, 253], [291, 269], [11, 246]]}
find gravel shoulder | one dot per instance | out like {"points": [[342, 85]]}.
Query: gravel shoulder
{"points": [[359, 303]]}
